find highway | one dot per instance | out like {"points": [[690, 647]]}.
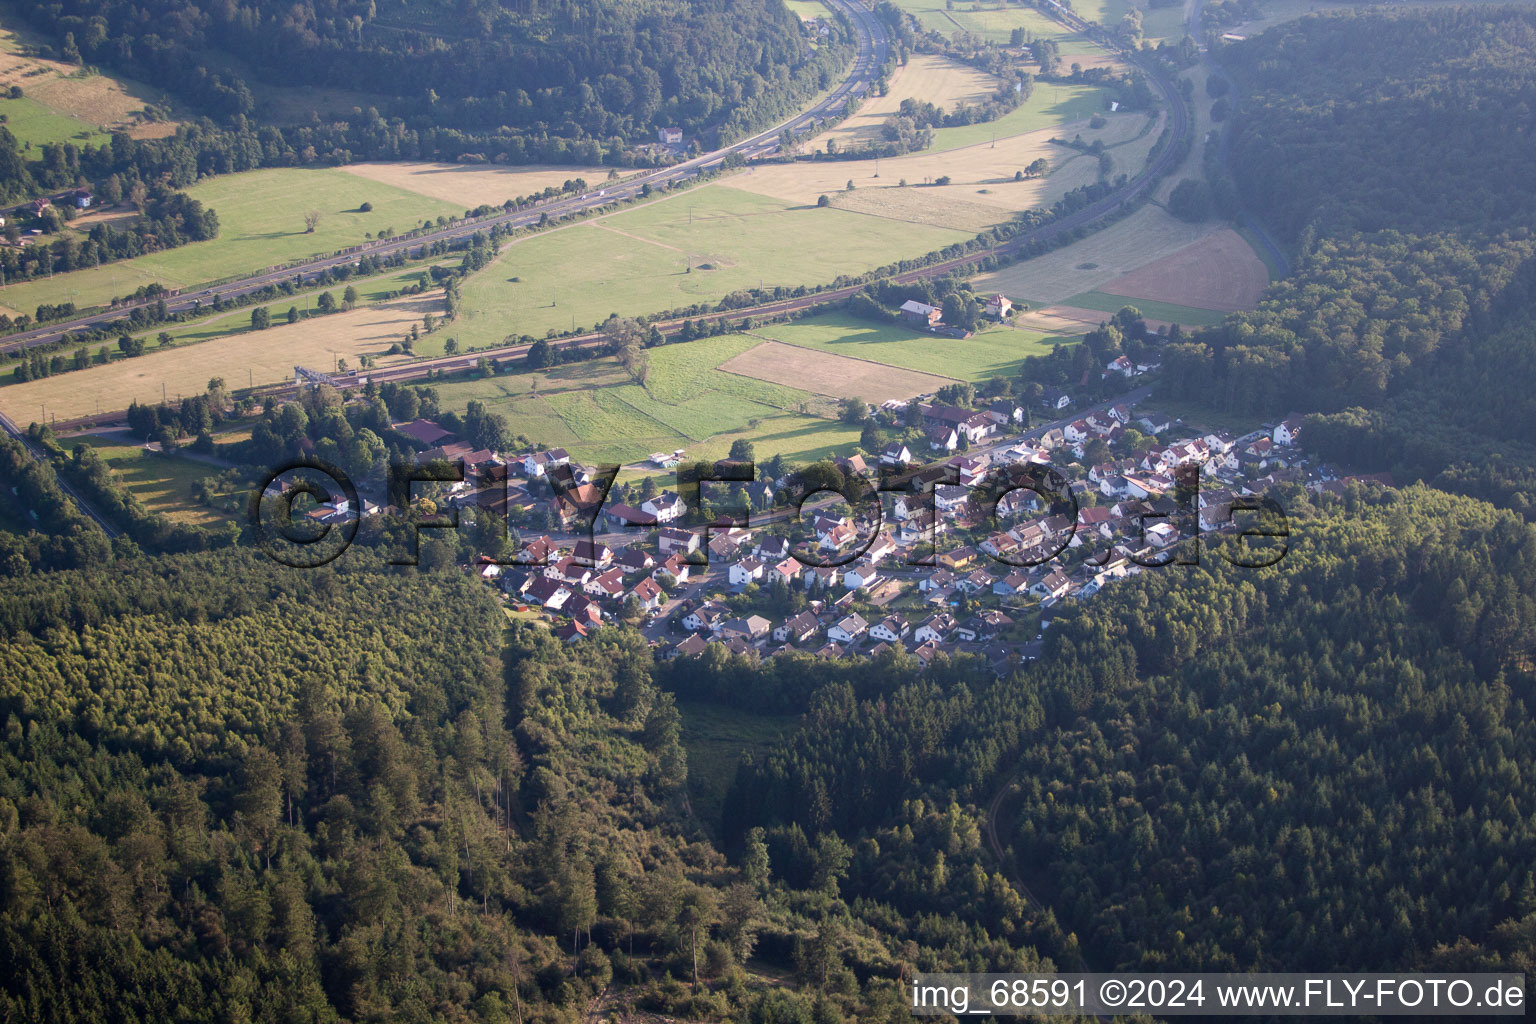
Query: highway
{"points": [[1179, 121], [874, 47], [873, 50]]}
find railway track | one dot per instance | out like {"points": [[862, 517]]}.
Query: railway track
{"points": [[873, 48]]}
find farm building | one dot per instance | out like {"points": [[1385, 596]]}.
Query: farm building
{"points": [[920, 314]]}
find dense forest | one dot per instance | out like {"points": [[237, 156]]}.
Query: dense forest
{"points": [[234, 791], [1418, 121], [1392, 149], [604, 70], [1317, 766]]}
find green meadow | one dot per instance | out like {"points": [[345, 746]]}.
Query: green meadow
{"points": [[1049, 105], [594, 409], [1169, 311], [637, 261], [996, 22], [992, 352], [37, 124], [162, 483], [261, 223]]}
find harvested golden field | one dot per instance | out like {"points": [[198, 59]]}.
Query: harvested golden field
{"points": [[831, 375], [474, 185], [1073, 320], [939, 207], [263, 357], [1146, 235], [938, 80], [95, 99], [980, 175], [1221, 271]]}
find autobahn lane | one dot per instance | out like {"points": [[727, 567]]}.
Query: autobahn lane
{"points": [[873, 50], [1179, 122]]}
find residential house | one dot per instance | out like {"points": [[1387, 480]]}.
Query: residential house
{"points": [[892, 628], [424, 431], [570, 632], [675, 567], [649, 593], [750, 629], [1288, 431], [797, 629], [772, 548], [1122, 365], [998, 307], [538, 463], [568, 570], [584, 610], [881, 547], [671, 541], [1051, 586], [748, 570], [550, 593], [634, 559], [609, 584], [934, 629], [689, 647], [823, 576], [920, 314], [1012, 585], [848, 629], [594, 553], [959, 558], [895, 454], [861, 575], [1055, 398], [670, 136], [708, 616], [943, 439], [787, 570], [666, 506]]}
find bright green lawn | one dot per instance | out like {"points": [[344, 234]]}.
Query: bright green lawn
{"points": [[261, 223], [162, 483], [596, 411], [994, 352], [715, 737], [636, 261], [1049, 105], [31, 121], [807, 8], [996, 22], [1169, 311]]}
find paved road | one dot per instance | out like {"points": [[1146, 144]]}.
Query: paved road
{"points": [[873, 50]]}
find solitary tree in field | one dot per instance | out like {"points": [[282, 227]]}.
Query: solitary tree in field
{"points": [[311, 221], [349, 297], [326, 303], [260, 318], [451, 346]]}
